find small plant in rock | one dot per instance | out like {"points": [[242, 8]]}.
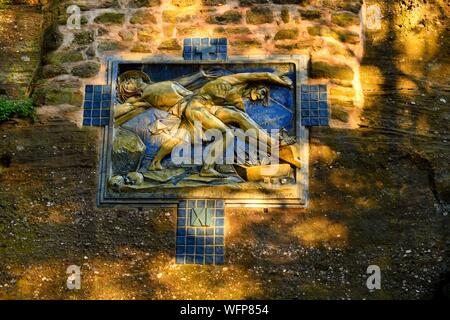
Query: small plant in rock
{"points": [[15, 108]]}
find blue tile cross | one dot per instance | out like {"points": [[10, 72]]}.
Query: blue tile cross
{"points": [[200, 232], [315, 109], [205, 49]]}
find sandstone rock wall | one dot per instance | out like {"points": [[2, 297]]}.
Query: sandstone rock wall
{"points": [[327, 31]]}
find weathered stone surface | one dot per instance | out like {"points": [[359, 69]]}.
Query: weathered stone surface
{"points": [[170, 44], [143, 17], [144, 3], [56, 92], [233, 31], [329, 70], [286, 34], [259, 15], [127, 151], [214, 2], [289, 1], [64, 56], [105, 46], [339, 113], [84, 37], [183, 3], [147, 35], [86, 70], [345, 19], [249, 3], [141, 47], [348, 36], [228, 17], [110, 18], [310, 14], [20, 49], [169, 16], [258, 173], [53, 38], [53, 70], [246, 43], [126, 35], [322, 31], [285, 15]]}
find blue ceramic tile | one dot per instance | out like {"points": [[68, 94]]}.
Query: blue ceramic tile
{"points": [[200, 259], [218, 259], [190, 249], [314, 105], [181, 222], [199, 250], [181, 250], [200, 244], [323, 105], [181, 240], [187, 42], [89, 88], [323, 113], [323, 121], [180, 259]]}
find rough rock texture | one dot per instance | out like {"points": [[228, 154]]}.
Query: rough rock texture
{"points": [[20, 45]]}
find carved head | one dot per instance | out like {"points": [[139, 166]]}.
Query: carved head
{"points": [[131, 84], [259, 93]]}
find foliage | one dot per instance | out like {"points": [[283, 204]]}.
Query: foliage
{"points": [[20, 108]]}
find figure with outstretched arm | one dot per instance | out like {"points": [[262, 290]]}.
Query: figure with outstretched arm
{"points": [[219, 103]]}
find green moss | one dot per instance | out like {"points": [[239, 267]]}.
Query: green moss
{"points": [[11, 108], [228, 17], [259, 15], [286, 34], [84, 37], [53, 70], [310, 14], [142, 17], [345, 19], [64, 56], [323, 69], [86, 70], [110, 18], [171, 44]]}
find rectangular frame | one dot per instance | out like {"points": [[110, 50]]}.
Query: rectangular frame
{"points": [[302, 174]]}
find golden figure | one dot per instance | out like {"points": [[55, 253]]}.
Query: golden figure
{"points": [[215, 105]]}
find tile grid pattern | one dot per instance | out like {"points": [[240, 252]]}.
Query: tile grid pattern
{"points": [[97, 105], [205, 49], [315, 109], [200, 244]]}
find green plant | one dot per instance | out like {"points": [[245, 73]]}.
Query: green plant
{"points": [[20, 108]]}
